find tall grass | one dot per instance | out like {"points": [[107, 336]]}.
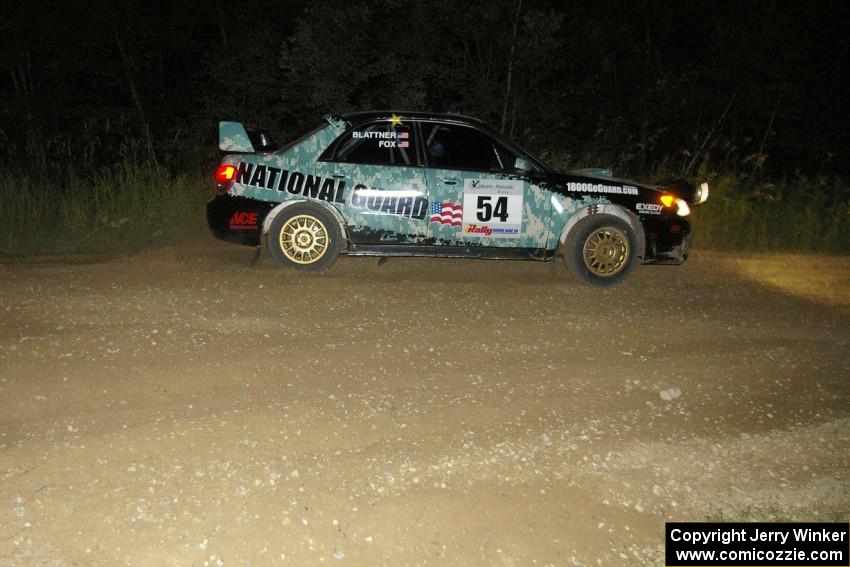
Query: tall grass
{"points": [[133, 206], [799, 214], [125, 207]]}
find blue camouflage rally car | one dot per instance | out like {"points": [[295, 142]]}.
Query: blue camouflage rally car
{"points": [[422, 184]]}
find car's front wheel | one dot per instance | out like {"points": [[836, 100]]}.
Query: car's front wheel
{"points": [[304, 236], [600, 250]]}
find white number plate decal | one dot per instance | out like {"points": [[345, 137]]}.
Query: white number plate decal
{"points": [[492, 207]]}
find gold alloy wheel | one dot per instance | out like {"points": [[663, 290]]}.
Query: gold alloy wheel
{"points": [[606, 251], [303, 239]]}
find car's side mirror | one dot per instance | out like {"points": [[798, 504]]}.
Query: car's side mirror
{"points": [[521, 164]]}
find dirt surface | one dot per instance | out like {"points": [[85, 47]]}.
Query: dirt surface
{"points": [[178, 407]]}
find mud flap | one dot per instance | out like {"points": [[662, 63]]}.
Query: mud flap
{"points": [[259, 252]]}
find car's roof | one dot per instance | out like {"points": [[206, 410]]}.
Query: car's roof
{"points": [[365, 115]]}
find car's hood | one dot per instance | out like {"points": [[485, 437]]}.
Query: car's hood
{"points": [[585, 182], [593, 178]]}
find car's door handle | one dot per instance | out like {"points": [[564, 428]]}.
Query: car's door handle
{"points": [[449, 180], [338, 175]]}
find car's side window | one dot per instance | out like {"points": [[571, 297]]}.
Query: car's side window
{"points": [[455, 146], [377, 143]]}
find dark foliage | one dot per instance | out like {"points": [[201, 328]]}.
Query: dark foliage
{"points": [[640, 85], [108, 109]]}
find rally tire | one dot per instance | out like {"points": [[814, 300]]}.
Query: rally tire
{"points": [[305, 237], [601, 250]]}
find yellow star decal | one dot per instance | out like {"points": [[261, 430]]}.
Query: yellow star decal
{"points": [[395, 120]]}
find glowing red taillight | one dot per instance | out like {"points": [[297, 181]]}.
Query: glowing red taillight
{"points": [[225, 174]]}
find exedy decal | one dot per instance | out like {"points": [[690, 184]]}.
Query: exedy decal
{"points": [[294, 183], [648, 208], [379, 201]]}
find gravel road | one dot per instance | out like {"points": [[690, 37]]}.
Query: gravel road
{"points": [[178, 407]]}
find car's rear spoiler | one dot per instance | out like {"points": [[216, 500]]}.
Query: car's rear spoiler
{"points": [[235, 137]]}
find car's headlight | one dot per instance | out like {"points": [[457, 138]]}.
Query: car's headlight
{"points": [[682, 208], [702, 193]]}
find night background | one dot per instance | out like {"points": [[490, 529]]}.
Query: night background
{"points": [[170, 399], [749, 96], [749, 87]]}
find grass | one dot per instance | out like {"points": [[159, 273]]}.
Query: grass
{"points": [[123, 208], [833, 511], [134, 206], [746, 212], [796, 215]]}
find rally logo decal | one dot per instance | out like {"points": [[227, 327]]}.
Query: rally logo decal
{"points": [[478, 230]]}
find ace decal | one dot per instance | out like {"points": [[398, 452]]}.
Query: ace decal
{"points": [[492, 207]]}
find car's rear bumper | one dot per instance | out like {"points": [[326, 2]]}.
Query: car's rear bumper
{"points": [[237, 219]]}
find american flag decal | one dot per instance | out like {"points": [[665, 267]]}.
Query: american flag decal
{"points": [[403, 139], [447, 213]]}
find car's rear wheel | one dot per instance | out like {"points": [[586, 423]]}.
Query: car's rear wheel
{"points": [[305, 237], [600, 250]]}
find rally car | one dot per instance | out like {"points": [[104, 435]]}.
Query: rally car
{"points": [[424, 184]]}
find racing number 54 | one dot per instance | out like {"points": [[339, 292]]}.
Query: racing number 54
{"points": [[486, 211]]}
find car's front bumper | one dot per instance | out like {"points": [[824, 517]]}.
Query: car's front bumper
{"points": [[237, 219], [667, 240]]}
